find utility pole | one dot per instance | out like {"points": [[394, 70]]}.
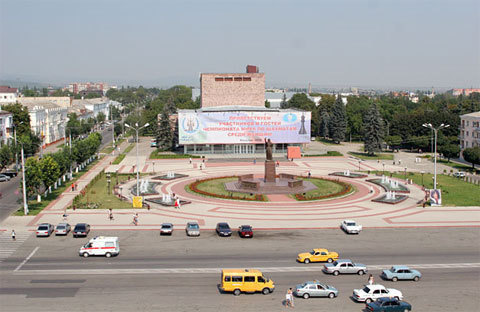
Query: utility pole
{"points": [[16, 153], [435, 130], [113, 128], [25, 204], [136, 130], [70, 143]]}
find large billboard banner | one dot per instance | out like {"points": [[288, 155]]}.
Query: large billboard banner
{"points": [[243, 127]]}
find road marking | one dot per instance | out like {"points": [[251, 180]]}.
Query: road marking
{"points": [[218, 270], [26, 259], [8, 246]]}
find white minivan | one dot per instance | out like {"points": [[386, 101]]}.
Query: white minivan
{"points": [[100, 246]]}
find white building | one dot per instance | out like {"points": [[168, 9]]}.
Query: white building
{"points": [[8, 95], [98, 105], [6, 126], [48, 120], [62, 101], [469, 131]]}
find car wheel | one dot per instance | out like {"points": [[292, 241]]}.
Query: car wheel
{"points": [[331, 295], [368, 300], [361, 272], [265, 291], [416, 278], [307, 261], [394, 279], [396, 298], [406, 310], [306, 296], [108, 255], [336, 273], [85, 254], [329, 260], [237, 292]]}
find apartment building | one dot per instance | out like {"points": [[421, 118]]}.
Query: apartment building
{"points": [[469, 131]]}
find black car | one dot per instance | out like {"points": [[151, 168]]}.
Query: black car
{"points": [[388, 304], [245, 231], [10, 173], [223, 229], [81, 229]]}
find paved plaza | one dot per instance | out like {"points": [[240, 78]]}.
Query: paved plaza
{"points": [[279, 212]]}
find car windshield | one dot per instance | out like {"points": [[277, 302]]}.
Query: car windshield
{"points": [[193, 226], [246, 228], [43, 228], [80, 228], [335, 263], [223, 226], [392, 269], [312, 252], [366, 289], [60, 227], [351, 223], [166, 226]]}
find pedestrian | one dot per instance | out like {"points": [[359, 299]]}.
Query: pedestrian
{"points": [[278, 163], [190, 160], [290, 291], [371, 189], [177, 203], [287, 298], [73, 187], [110, 214], [65, 216], [13, 235], [309, 174], [254, 161], [370, 279], [135, 219], [201, 167]]}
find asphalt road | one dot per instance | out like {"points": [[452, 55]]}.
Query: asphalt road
{"points": [[178, 273], [11, 195]]}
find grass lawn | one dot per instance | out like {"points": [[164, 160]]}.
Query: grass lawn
{"points": [[98, 194], [454, 165], [327, 141], [455, 192], [120, 157], [217, 186], [365, 156], [35, 207], [156, 154], [329, 153], [324, 187]]}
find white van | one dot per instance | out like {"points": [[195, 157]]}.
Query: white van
{"points": [[101, 246]]}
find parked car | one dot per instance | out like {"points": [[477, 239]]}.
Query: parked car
{"points": [[317, 255], [401, 272], [370, 293], [245, 231], [166, 229], [81, 229], [459, 174], [10, 173], [62, 229], [351, 227], [223, 229], [388, 304], [345, 266], [315, 289], [4, 178], [192, 229], [44, 229]]}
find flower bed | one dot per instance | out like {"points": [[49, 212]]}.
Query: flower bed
{"points": [[346, 188], [194, 188]]}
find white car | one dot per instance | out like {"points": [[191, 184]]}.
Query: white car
{"points": [[166, 229], [351, 227], [371, 293], [459, 174]]}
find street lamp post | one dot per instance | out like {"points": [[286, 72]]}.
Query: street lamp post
{"points": [[435, 130], [383, 172], [136, 128], [405, 173], [359, 164], [422, 172], [25, 204]]}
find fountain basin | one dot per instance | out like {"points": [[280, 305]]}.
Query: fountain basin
{"points": [[389, 200], [390, 185], [348, 174]]}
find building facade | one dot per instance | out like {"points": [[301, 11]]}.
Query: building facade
{"points": [[469, 131], [6, 126], [78, 87], [47, 120], [8, 95]]}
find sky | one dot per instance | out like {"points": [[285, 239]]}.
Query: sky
{"points": [[338, 43]]}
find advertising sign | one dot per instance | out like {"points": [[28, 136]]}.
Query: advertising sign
{"points": [[436, 197], [137, 201], [243, 127]]}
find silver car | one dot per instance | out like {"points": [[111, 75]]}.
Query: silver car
{"points": [[344, 266], [192, 229], [4, 178], [44, 229], [315, 289], [166, 229], [62, 229]]}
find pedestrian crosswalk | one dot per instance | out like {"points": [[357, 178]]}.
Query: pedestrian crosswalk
{"points": [[8, 246]]}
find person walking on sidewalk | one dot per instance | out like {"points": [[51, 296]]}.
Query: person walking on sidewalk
{"points": [[135, 219], [370, 279], [13, 235], [73, 187], [110, 214]]}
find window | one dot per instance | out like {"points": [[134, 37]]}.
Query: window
{"points": [[109, 244], [228, 79], [324, 253], [312, 287], [218, 78], [228, 278], [237, 79], [247, 79], [384, 291], [236, 278], [319, 287], [249, 279], [260, 279], [376, 291]]}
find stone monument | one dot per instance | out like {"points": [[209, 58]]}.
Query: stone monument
{"points": [[270, 173]]}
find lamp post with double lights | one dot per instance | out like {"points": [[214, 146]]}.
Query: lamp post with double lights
{"points": [[137, 128], [435, 130]]}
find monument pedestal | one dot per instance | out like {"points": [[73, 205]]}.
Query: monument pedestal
{"points": [[270, 174]]}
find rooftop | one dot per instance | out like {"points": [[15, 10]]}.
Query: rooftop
{"points": [[474, 114], [7, 89], [239, 108]]}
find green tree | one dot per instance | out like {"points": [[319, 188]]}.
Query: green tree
{"points": [[338, 121], [50, 171], [267, 104], [472, 155], [164, 133], [394, 141], [301, 101], [373, 130], [33, 176], [449, 150], [73, 125], [283, 103], [5, 156], [100, 117], [324, 124]]}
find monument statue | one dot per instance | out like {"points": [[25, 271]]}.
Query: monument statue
{"points": [[268, 149], [302, 128]]}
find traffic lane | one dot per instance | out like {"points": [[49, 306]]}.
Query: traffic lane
{"points": [[439, 290], [11, 194], [149, 249]]}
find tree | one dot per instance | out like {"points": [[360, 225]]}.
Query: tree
{"points": [[449, 151], [5, 156], [324, 124], [394, 141], [283, 103], [472, 155], [338, 121], [50, 171], [373, 130], [100, 117], [164, 133], [33, 181], [267, 104], [301, 101]]}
